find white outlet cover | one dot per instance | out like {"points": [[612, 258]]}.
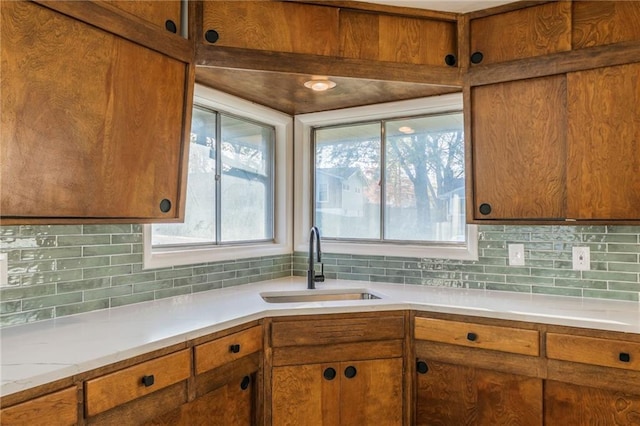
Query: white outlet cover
{"points": [[581, 258], [4, 280], [516, 254]]}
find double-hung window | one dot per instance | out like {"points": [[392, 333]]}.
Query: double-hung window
{"points": [[234, 188], [389, 177]]}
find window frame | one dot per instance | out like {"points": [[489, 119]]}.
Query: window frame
{"points": [[282, 242], [303, 173]]}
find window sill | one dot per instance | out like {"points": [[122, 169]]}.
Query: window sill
{"points": [[164, 258]]}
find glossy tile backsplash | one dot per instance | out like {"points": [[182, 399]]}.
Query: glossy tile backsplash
{"points": [[614, 274], [60, 270]]}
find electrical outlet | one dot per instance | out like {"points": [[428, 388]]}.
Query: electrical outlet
{"points": [[581, 258], [516, 254]]}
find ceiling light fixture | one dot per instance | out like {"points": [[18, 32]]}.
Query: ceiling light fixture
{"points": [[320, 84], [406, 130]]}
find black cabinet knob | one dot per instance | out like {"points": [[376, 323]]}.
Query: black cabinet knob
{"points": [[450, 60], [422, 367], [211, 36], [329, 373], [476, 57], [234, 349], [246, 381], [148, 380], [472, 337], [350, 372], [485, 208], [171, 26], [624, 357], [165, 205]]}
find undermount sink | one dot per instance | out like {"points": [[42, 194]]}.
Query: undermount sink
{"points": [[318, 296]]}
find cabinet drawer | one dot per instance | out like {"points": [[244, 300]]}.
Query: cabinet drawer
{"points": [[106, 392], [226, 349], [329, 331], [496, 338], [58, 408], [592, 350]]}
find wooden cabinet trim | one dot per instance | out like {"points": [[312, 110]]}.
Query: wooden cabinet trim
{"points": [[111, 390], [293, 355], [219, 352], [592, 350], [498, 338]]}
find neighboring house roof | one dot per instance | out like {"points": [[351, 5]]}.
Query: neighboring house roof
{"points": [[342, 173]]}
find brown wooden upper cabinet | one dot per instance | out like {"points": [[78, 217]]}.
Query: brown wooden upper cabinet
{"points": [[329, 31], [166, 13], [519, 149], [597, 23], [95, 109], [522, 33], [560, 147]]}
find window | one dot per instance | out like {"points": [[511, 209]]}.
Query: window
{"points": [[238, 186], [405, 162]]}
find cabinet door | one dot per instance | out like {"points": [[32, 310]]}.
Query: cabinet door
{"points": [[604, 143], [91, 122], [306, 395], [596, 23], [56, 409], [523, 33], [232, 404], [457, 395], [568, 404], [371, 392], [519, 149]]}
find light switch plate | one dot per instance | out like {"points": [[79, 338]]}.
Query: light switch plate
{"points": [[516, 254], [4, 280], [581, 258]]}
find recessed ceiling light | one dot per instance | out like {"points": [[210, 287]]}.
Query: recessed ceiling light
{"points": [[320, 84], [406, 130]]}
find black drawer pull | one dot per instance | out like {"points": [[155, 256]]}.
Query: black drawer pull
{"points": [[148, 380], [350, 372], [472, 337], [171, 26], [485, 209], [624, 357], [422, 367], [329, 373], [211, 36], [450, 60], [476, 57], [234, 349]]}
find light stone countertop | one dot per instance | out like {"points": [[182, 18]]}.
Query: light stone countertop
{"points": [[45, 351]]}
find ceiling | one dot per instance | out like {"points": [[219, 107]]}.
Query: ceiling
{"points": [[457, 6], [286, 92]]}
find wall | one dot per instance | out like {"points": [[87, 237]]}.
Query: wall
{"points": [[62, 270]]}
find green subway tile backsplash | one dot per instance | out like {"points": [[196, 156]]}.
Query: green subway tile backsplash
{"points": [[58, 270]]}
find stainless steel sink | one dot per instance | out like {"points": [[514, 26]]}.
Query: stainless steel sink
{"points": [[317, 296]]}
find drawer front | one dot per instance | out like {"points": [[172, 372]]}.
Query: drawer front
{"points": [[497, 338], [330, 331], [108, 391], [592, 350], [218, 352], [59, 408]]}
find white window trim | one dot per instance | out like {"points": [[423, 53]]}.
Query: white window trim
{"points": [[303, 202], [283, 237]]}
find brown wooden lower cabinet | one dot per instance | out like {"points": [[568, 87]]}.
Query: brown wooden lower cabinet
{"points": [[575, 405], [231, 404], [450, 394], [339, 393]]}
